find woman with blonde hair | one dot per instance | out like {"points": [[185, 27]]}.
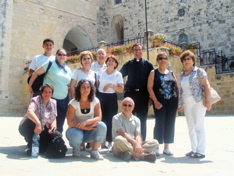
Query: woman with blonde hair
{"points": [[86, 59], [162, 87]]}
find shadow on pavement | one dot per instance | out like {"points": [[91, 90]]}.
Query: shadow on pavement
{"points": [[183, 160]]}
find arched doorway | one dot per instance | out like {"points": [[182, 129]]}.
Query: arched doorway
{"points": [[118, 29], [77, 40]]}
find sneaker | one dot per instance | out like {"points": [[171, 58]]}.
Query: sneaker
{"points": [[151, 157], [29, 152], [109, 148], [126, 156], [96, 155], [167, 152], [76, 152]]}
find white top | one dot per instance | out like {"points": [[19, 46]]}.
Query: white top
{"points": [[186, 87], [39, 60], [115, 78], [58, 78], [96, 66], [78, 74], [79, 116]]}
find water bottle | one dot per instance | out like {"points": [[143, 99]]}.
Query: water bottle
{"points": [[35, 145]]}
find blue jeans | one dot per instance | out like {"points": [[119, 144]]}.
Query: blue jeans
{"points": [[76, 136]]}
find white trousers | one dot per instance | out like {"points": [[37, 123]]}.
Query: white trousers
{"points": [[195, 116]]}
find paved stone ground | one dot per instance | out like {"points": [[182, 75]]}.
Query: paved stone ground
{"points": [[218, 161]]}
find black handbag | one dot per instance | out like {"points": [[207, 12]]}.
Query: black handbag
{"points": [[56, 148], [38, 82]]}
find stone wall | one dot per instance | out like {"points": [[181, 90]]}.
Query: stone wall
{"points": [[25, 25], [209, 22]]}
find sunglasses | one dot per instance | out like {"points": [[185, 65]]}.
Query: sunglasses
{"points": [[85, 59], [61, 54], [187, 59], [161, 58], [129, 105]]}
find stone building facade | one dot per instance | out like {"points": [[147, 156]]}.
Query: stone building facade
{"points": [[81, 24], [25, 24], [209, 22]]}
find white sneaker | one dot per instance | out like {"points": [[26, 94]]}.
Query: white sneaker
{"points": [[76, 152], [96, 155], [157, 152], [109, 148]]}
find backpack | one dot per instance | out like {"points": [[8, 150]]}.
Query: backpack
{"points": [[56, 148]]}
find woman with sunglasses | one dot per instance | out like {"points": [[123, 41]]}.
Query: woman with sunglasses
{"points": [[86, 59], [162, 87], [110, 82], [84, 117], [59, 76], [192, 82]]}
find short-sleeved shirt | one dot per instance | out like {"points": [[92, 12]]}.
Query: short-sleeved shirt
{"points": [[39, 60], [137, 72], [78, 74], [58, 78], [79, 116], [131, 126], [104, 79], [96, 66]]}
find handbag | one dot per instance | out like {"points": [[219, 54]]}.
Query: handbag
{"points": [[38, 82], [56, 148], [214, 96]]}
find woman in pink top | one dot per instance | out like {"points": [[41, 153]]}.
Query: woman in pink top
{"points": [[41, 119]]}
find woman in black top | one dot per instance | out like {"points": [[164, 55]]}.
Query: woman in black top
{"points": [[162, 87]]}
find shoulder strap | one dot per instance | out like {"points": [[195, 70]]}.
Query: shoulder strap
{"points": [[50, 63]]}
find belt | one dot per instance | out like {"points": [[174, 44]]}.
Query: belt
{"points": [[134, 90]]}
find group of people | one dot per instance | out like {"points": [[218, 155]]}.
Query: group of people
{"points": [[88, 99]]}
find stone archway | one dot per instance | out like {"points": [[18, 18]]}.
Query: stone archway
{"points": [[118, 29], [77, 40]]}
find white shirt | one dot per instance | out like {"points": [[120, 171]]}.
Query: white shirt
{"points": [[78, 74], [79, 116], [39, 60], [104, 79], [96, 66], [186, 87]]}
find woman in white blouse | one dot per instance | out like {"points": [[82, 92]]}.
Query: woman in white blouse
{"points": [[86, 59], [110, 82], [84, 119]]}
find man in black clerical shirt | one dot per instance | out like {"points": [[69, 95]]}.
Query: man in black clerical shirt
{"points": [[138, 70]]}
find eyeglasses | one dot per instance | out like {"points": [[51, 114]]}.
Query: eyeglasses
{"points": [[110, 61], [61, 54], [129, 105], [85, 59], [161, 58], [184, 59]]}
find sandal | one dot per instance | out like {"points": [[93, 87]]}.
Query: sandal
{"points": [[157, 152], [167, 152], [198, 155], [190, 153]]}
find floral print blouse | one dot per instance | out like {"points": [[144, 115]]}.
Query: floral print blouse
{"points": [[195, 84]]}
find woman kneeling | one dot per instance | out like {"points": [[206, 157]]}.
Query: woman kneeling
{"points": [[84, 120], [40, 119]]}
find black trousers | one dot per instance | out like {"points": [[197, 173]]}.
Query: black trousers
{"points": [[27, 130], [141, 100], [109, 108], [165, 121], [61, 111]]}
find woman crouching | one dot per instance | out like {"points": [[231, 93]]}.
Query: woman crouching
{"points": [[84, 119]]}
